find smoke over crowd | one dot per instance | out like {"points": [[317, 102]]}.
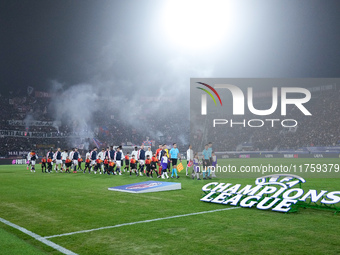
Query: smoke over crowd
{"points": [[116, 74]]}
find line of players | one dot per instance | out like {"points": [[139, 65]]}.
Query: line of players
{"points": [[111, 161]]}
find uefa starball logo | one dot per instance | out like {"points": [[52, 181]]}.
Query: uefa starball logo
{"points": [[295, 96], [278, 192], [144, 185]]}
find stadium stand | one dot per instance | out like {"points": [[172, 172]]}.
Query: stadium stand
{"points": [[320, 130]]}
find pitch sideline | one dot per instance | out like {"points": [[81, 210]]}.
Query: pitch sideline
{"points": [[138, 222], [39, 238]]}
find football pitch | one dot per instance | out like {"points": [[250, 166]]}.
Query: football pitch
{"points": [[75, 213]]}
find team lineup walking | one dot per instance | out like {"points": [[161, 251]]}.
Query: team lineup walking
{"points": [[140, 162]]}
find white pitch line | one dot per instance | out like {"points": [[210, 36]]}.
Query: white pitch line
{"points": [[138, 222], [38, 237]]}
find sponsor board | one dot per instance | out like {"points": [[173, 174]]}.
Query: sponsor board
{"points": [[34, 123], [290, 155], [244, 156]]}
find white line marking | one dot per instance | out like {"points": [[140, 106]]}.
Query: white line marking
{"points": [[138, 222], [39, 238]]}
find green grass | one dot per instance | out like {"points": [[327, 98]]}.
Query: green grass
{"points": [[11, 244], [50, 204]]}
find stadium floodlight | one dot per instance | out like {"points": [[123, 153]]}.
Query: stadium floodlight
{"points": [[195, 24]]}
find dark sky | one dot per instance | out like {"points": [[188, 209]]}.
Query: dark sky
{"points": [[43, 40], [123, 44]]}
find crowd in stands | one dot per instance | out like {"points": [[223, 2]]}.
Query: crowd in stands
{"points": [[320, 129], [68, 134]]}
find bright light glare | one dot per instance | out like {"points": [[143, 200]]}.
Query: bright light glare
{"points": [[195, 24]]}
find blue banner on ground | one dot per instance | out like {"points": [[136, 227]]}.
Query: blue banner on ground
{"points": [[148, 186]]}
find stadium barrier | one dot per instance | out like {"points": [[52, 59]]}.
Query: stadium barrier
{"points": [[245, 155], [6, 161], [226, 155]]}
